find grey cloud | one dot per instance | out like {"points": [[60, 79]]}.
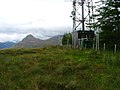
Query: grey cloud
{"points": [[38, 32]]}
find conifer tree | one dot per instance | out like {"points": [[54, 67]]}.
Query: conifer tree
{"points": [[108, 21]]}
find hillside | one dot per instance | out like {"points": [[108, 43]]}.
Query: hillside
{"points": [[59, 68], [30, 41], [6, 44]]}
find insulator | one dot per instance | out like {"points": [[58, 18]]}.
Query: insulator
{"points": [[74, 3], [80, 3], [74, 18], [89, 11], [73, 13]]}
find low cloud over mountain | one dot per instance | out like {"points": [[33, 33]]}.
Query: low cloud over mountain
{"points": [[15, 34]]}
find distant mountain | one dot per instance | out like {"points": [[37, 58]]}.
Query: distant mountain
{"points": [[6, 44], [30, 41]]}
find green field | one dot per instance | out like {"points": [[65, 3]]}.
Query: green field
{"points": [[59, 68]]}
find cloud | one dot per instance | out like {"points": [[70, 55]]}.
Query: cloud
{"points": [[52, 12], [11, 37], [42, 18], [17, 33]]}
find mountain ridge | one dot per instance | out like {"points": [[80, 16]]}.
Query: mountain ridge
{"points": [[7, 44], [31, 42]]}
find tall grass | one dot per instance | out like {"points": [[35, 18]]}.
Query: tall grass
{"points": [[58, 68]]}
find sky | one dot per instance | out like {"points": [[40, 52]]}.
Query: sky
{"points": [[41, 18]]}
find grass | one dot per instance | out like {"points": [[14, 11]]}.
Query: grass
{"points": [[59, 68]]}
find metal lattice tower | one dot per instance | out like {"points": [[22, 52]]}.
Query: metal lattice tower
{"points": [[81, 15]]}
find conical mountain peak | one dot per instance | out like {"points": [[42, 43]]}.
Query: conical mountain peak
{"points": [[30, 36], [31, 41]]}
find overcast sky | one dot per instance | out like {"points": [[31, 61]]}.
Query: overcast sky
{"points": [[42, 18]]}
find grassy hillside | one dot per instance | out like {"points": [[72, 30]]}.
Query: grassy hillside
{"points": [[58, 68]]}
